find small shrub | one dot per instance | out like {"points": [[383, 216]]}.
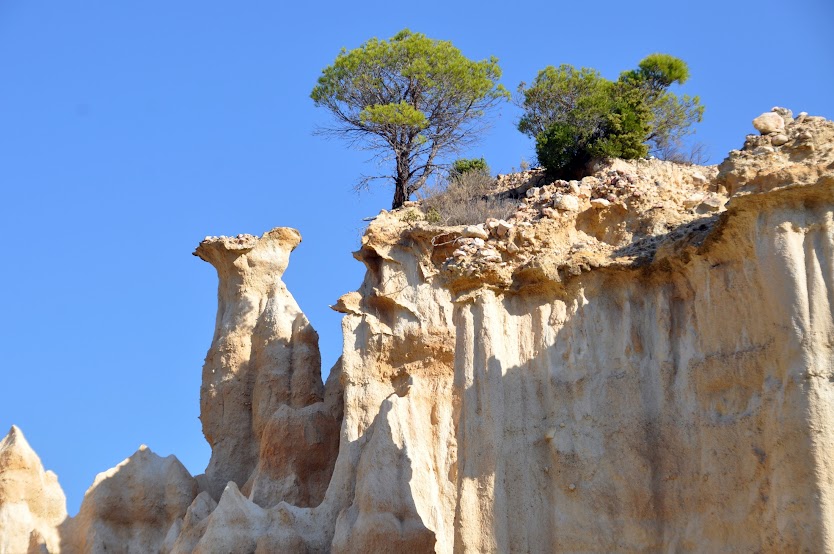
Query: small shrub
{"points": [[465, 200], [692, 154], [465, 165], [412, 216], [433, 216]]}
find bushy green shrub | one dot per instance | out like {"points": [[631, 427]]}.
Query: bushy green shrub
{"points": [[465, 165], [610, 123], [577, 116]]}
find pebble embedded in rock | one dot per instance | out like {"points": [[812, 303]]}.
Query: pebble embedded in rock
{"points": [[476, 231], [489, 254], [566, 202], [698, 178], [502, 228], [779, 140], [600, 203], [693, 200], [769, 122], [711, 204], [784, 113]]}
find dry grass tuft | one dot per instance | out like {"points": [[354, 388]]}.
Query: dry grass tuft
{"points": [[466, 199]]}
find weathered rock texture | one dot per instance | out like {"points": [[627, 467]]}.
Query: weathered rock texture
{"points": [[638, 361], [130, 507], [261, 401], [32, 504]]}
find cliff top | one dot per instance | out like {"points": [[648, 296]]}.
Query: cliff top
{"points": [[627, 214]]}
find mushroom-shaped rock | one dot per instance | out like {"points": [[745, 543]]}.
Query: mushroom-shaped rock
{"points": [[131, 507], [32, 504], [264, 353]]}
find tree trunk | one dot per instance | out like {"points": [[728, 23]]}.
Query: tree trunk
{"points": [[400, 183], [399, 194]]}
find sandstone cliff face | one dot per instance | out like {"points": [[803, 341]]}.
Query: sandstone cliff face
{"points": [[638, 361], [631, 375]]}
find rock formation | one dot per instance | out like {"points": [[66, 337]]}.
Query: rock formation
{"points": [[32, 504], [131, 506], [637, 361], [262, 399]]}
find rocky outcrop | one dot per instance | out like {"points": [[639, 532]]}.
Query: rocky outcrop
{"points": [[261, 401], [130, 507], [800, 153], [637, 361], [32, 504]]}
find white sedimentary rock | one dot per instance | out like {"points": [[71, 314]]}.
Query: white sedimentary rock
{"points": [[130, 507], [261, 398], [32, 504], [566, 202], [476, 231], [769, 122]]}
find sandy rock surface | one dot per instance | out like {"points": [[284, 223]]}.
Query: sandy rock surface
{"points": [[130, 507], [262, 395], [32, 504]]}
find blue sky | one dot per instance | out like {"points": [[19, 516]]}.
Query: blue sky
{"points": [[131, 130]]}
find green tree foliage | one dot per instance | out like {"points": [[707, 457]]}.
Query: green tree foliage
{"points": [[576, 115], [672, 116], [466, 165], [657, 72], [411, 99], [564, 94]]}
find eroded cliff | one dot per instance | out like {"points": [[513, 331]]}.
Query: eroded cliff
{"points": [[638, 361]]}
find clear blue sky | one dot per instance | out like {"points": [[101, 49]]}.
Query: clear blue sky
{"points": [[131, 130]]}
